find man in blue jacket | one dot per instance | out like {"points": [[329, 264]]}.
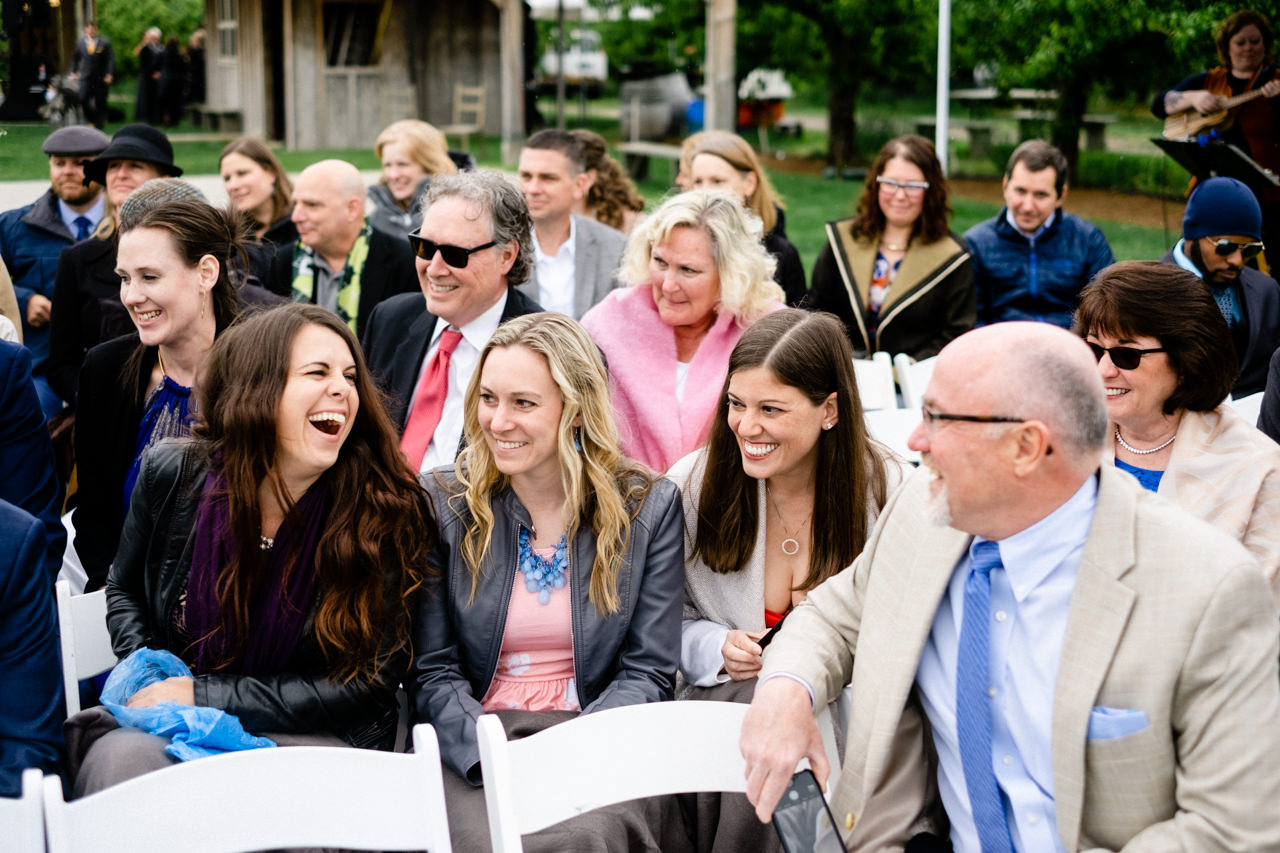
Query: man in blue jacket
{"points": [[1031, 261], [32, 238]]}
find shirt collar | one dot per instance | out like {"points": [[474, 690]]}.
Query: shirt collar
{"points": [[1030, 555], [479, 330], [568, 247], [1044, 226], [1180, 258]]}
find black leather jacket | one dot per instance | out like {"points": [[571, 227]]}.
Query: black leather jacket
{"points": [[150, 574], [626, 658]]}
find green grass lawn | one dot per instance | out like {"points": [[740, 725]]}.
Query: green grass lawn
{"points": [[811, 201]]}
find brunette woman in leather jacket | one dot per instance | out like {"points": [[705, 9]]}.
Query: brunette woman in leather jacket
{"points": [[276, 552], [560, 574]]}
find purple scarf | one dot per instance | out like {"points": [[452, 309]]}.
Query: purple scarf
{"points": [[276, 616]]}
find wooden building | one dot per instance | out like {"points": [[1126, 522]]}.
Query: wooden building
{"points": [[323, 74]]}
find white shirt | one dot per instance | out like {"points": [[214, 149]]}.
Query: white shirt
{"points": [[448, 434], [556, 273], [1030, 600], [1008, 215]]}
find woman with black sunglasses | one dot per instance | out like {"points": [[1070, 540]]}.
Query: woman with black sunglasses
{"points": [[1166, 358]]}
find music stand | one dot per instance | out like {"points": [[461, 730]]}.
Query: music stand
{"points": [[1219, 159]]}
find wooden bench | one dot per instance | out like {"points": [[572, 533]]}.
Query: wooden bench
{"points": [[979, 131], [636, 156], [1032, 125], [217, 120]]}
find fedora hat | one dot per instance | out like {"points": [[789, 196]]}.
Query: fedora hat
{"points": [[134, 142]]}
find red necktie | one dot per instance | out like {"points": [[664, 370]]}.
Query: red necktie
{"points": [[429, 403]]}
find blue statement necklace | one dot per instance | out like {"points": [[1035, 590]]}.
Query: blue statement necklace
{"points": [[540, 574]]}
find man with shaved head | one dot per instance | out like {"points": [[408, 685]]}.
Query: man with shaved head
{"points": [[339, 262], [1097, 668]]}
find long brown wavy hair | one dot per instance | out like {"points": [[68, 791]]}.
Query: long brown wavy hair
{"points": [[379, 528], [811, 353], [605, 489], [931, 225], [613, 193]]}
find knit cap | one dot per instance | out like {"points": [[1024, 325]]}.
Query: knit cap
{"points": [[1222, 206]]}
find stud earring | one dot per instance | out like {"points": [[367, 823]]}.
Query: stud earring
{"points": [[827, 426]]}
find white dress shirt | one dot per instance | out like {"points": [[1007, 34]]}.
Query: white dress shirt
{"points": [[448, 434], [1030, 600], [556, 273]]}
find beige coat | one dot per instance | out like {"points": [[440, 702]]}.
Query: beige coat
{"points": [[1227, 472], [1169, 616]]}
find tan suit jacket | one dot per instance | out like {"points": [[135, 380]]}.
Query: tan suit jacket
{"points": [[1169, 616]]}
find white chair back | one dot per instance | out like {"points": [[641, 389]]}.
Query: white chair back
{"points": [[293, 796], [1247, 407], [875, 382], [913, 378], [86, 642], [20, 819], [608, 757], [892, 427]]}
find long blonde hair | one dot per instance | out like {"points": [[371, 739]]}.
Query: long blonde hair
{"points": [[603, 489]]}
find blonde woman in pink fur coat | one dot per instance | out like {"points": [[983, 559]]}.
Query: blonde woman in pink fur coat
{"points": [[699, 277]]}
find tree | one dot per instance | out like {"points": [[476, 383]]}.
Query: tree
{"points": [[124, 22], [1083, 47]]}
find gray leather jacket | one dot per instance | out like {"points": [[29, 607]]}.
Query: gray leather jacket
{"points": [[624, 658]]}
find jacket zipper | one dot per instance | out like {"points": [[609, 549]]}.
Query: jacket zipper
{"points": [[506, 607]]}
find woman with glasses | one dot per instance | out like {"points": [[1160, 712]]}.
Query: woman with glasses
{"points": [[1166, 359], [894, 274]]}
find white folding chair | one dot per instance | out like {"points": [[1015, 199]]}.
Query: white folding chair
{"points": [[892, 427], [20, 819], [1247, 407], [608, 757], [875, 382], [913, 378], [86, 642], [292, 796]]}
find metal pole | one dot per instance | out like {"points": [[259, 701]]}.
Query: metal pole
{"points": [[943, 130]]}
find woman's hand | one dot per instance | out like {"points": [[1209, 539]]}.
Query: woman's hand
{"points": [[1271, 88], [178, 689], [742, 654]]}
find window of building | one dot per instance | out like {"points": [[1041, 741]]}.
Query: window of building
{"points": [[353, 32], [228, 28]]}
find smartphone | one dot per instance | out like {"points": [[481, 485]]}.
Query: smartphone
{"points": [[768, 637], [802, 819]]}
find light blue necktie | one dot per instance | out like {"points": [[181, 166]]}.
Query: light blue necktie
{"points": [[84, 227], [973, 704]]}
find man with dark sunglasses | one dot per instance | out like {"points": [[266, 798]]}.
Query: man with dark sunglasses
{"points": [[473, 249], [1221, 232]]}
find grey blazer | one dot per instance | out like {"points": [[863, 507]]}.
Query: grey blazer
{"points": [[597, 256]]}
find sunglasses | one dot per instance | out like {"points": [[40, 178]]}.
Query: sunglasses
{"points": [[1227, 248], [1125, 358], [455, 256], [911, 189]]}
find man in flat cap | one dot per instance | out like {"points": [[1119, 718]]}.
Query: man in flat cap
{"points": [[32, 238]]}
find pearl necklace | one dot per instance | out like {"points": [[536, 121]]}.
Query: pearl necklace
{"points": [[265, 543], [1129, 447], [790, 545]]}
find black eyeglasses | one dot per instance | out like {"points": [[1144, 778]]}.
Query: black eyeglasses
{"points": [[1227, 248], [1125, 358], [455, 256], [930, 416]]}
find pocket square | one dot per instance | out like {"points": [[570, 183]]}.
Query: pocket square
{"points": [[1111, 723]]}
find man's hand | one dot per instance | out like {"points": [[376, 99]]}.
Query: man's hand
{"points": [[1204, 102], [742, 654], [178, 689], [778, 731], [38, 310]]}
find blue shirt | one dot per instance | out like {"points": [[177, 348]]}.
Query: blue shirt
{"points": [[93, 214], [1230, 294], [1030, 600]]}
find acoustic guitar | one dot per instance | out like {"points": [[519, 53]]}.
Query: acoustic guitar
{"points": [[1188, 123]]}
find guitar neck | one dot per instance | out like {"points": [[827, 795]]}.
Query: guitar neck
{"points": [[1244, 98]]}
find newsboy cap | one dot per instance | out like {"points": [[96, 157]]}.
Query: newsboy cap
{"points": [[78, 139]]}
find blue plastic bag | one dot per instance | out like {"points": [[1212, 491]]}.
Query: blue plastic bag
{"points": [[195, 731]]}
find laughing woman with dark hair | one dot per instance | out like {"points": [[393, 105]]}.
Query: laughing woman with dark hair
{"points": [[276, 552], [1166, 358]]}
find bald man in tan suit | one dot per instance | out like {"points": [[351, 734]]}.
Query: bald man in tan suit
{"points": [[1152, 639]]}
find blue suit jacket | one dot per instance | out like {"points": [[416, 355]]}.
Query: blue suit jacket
{"points": [[30, 478], [31, 700]]}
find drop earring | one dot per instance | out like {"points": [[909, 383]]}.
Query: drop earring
{"points": [[577, 439]]}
